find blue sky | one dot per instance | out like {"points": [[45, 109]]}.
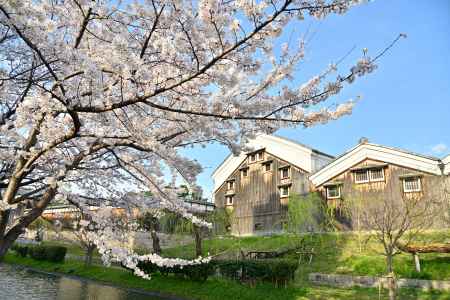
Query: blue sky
{"points": [[405, 102]]}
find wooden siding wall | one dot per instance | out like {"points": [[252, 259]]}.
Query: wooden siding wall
{"points": [[391, 186], [257, 198]]}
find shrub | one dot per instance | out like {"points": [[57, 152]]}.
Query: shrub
{"points": [[277, 271], [37, 252], [55, 253], [50, 253], [21, 250], [199, 272]]}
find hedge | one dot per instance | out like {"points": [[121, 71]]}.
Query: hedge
{"points": [[49, 253], [277, 271], [21, 250], [199, 272]]}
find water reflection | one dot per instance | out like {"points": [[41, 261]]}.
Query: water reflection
{"points": [[18, 284]]}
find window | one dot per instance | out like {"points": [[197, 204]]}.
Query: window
{"points": [[229, 200], [284, 172], [230, 185], [284, 191], [376, 174], [369, 175], [259, 226], [256, 156], [260, 155], [268, 167], [333, 191], [412, 184], [244, 172], [361, 176]]}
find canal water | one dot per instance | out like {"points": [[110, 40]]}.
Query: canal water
{"points": [[20, 284]]}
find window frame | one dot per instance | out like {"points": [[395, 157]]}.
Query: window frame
{"points": [[244, 171], [419, 181], [269, 165], [361, 171], [379, 179], [258, 226], [338, 189], [288, 168], [227, 198], [231, 184], [260, 155], [369, 177], [288, 189]]}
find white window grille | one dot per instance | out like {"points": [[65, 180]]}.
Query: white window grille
{"points": [[412, 184]]}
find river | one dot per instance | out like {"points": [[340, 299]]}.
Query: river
{"points": [[21, 284]]}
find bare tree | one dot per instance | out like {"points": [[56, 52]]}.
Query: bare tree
{"points": [[392, 217]]}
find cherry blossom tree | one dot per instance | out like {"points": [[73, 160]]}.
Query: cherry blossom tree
{"points": [[97, 97]]}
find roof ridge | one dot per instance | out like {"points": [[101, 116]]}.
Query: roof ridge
{"points": [[303, 145]]}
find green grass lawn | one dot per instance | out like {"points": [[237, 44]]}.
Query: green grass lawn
{"points": [[334, 253], [213, 288]]}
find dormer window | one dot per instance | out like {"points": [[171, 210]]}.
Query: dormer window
{"points": [[230, 185], [285, 172], [261, 155], [412, 184], [256, 156]]}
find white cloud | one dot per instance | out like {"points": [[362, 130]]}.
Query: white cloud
{"points": [[439, 148]]}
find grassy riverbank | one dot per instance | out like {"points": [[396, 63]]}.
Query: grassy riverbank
{"points": [[341, 253], [212, 288]]}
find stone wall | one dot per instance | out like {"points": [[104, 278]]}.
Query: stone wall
{"points": [[347, 281]]}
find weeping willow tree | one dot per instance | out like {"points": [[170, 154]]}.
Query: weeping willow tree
{"points": [[308, 215]]}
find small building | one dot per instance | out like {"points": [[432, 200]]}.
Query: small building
{"points": [[255, 186], [371, 170]]}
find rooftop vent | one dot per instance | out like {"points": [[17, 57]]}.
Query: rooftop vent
{"points": [[363, 140]]}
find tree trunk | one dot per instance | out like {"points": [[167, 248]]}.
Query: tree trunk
{"points": [[4, 219], [198, 241], [6, 240], [417, 262], [89, 254], [3, 249], [389, 263], [392, 287], [155, 242], [154, 228], [6, 243], [391, 277]]}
